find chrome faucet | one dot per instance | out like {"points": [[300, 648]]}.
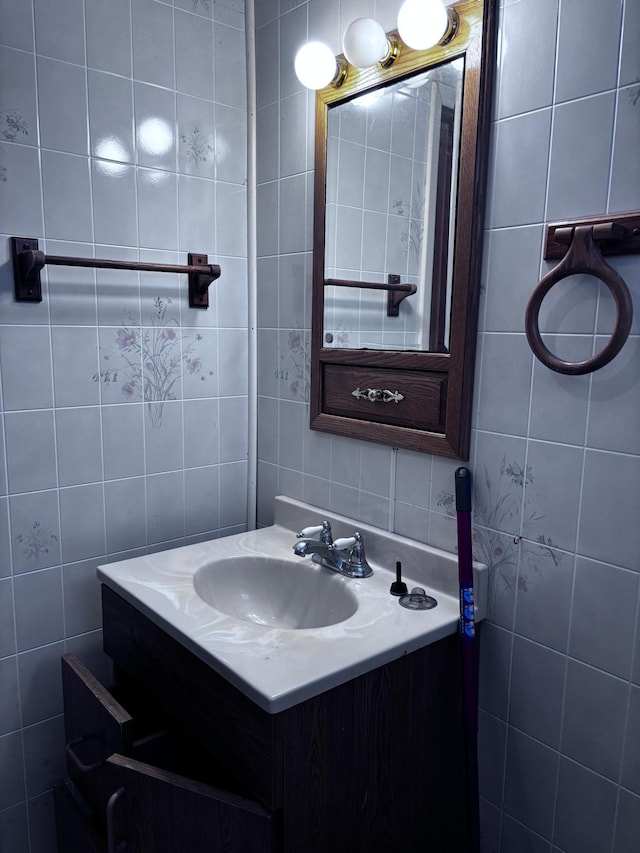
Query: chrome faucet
{"points": [[345, 556]]}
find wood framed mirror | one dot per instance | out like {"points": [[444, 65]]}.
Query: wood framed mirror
{"points": [[400, 176]]}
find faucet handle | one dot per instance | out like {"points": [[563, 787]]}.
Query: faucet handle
{"points": [[308, 532], [323, 529], [342, 544]]}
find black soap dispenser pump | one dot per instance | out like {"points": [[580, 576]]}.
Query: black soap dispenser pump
{"points": [[398, 587]]}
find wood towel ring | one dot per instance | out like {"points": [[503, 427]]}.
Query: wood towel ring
{"points": [[583, 256]]}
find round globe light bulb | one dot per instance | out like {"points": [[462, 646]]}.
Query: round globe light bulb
{"points": [[315, 65], [422, 23], [365, 43]]}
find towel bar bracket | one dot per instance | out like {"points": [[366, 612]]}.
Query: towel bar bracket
{"points": [[28, 261], [26, 271], [199, 282], [396, 290], [615, 233]]}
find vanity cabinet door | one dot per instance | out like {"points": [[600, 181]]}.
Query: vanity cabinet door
{"points": [[95, 727], [154, 811], [135, 805]]}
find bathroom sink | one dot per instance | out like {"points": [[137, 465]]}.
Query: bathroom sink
{"points": [[277, 593], [281, 628]]}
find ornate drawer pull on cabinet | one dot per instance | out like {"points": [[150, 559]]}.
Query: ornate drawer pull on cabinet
{"points": [[375, 395]]}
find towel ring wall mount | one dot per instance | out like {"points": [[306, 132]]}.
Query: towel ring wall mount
{"points": [[581, 245]]}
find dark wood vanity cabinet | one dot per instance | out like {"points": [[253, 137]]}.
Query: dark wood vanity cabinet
{"points": [[374, 765]]}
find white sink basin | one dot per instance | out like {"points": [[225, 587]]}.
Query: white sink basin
{"points": [[276, 593], [280, 628]]}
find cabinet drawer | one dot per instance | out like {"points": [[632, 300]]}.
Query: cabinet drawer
{"points": [[409, 398]]}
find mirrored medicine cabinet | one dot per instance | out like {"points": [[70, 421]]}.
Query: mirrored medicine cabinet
{"points": [[400, 174]]}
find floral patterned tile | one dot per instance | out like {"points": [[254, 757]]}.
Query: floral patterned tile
{"points": [[35, 531]]}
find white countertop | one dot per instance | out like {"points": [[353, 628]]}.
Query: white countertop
{"points": [[278, 667]]}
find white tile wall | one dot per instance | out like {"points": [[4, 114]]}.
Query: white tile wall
{"points": [[554, 457], [114, 128]]}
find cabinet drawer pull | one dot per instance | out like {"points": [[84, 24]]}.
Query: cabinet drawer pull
{"points": [[79, 764], [112, 845], [375, 395]]}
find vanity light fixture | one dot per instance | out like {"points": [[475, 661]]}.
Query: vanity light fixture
{"points": [[366, 44], [424, 23], [316, 66], [421, 24]]}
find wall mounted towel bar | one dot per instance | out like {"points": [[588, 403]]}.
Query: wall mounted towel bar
{"points": [[581, 245], [28, 260], [396, 291]]}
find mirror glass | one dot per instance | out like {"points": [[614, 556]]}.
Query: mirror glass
{"points": [[392, 163]]}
